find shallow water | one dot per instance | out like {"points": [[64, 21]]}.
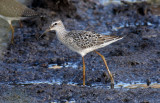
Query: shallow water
{"points": [[74, 65], [122, 85], [106, 2], [67, 64]]}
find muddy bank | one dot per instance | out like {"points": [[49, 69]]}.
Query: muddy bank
{"points": [[62, 93], [135, 58]]}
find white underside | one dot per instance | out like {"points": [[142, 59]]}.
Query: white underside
{"points": [[9, 19], [85, 51]]}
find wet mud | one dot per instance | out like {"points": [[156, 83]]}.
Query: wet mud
{"points": [[26, 75]]}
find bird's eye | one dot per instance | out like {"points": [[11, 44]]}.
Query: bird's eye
{"points": [[55, 24]]}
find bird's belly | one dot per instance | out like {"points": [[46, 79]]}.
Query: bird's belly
{"points": [[81, 51], [12, 18]]}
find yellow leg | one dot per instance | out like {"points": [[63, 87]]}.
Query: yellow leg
{"points": [[20, 24], [83, 71], [12, 40], [110, 74]]}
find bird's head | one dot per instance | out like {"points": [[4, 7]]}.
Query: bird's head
{"points": [[55, 26]]}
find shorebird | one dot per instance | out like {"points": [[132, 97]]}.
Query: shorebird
{"points": [[83, 42], [12, 10]]}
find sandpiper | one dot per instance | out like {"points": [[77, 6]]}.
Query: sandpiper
{"points": [[83, 42], [12, 10]]}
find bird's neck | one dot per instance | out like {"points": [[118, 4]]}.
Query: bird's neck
{"points": [[61, 33]]}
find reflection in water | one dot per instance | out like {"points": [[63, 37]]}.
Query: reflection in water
{"points": [[123, 85], [106, 2], [132, 85], [67, 64]]}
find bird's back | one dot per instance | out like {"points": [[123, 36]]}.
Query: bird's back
{"points": [[12, 8], [86, 39]]}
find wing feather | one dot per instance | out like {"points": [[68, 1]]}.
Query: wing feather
{"points": [[86, 39]]}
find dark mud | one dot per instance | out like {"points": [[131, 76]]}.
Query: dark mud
{"points": [[24, 73]]}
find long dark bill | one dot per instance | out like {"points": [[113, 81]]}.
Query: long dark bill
{"points": [[44, 32]]}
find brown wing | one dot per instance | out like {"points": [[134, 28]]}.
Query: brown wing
{"points": [[12, 8], [86, 39], [106, 38]]}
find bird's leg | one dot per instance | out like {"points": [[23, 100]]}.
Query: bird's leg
{"points": [[20, 24], [83, 71], [110, 74], [12, 40]]}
